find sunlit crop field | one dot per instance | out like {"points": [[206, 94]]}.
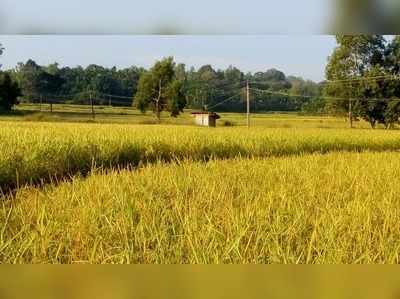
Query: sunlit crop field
{"points": [[334, 208], [126, 193], [129, 115], [33, 152]]}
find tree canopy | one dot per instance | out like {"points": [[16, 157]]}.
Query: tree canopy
{"points": [[360, 71], [9, 92], [200, 88], [160, 89], [73, 84], [1, 51], [9, 89]]}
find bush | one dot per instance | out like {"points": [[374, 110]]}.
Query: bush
{"points": [[148, 122], [9, 92], [227, 123]]}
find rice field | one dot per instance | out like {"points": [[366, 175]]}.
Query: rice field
{"points": [[125, 193], [34, 152], [129, 115], [333, 208]]}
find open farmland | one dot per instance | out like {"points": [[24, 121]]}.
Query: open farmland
{"points": [[38, 152], [334, 208], [161, 194], [130, 115], [126, 193], [244, 150]]}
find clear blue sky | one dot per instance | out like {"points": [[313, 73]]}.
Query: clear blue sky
{"points": [[184, 16], [300, 55]]}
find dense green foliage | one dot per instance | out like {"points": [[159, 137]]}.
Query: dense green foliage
{"points": [[9, 92], [363, 67], [160, 89], [204, 87], [1, 51], [207, 87], [71, 85]]}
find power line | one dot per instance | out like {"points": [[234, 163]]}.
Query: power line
{"points": [[390, 77], [224, 101], [352, 80], [88, 93], [48, 95], [281, 93], [114, 96], [100, 99], [294, 95], [324, 97]]}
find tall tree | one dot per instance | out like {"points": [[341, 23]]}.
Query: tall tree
{"points": [[9, 92], [392, 65], [309, 94], [28, 76], [1, 51], [177, 99], [356, 57], [160, 90]]}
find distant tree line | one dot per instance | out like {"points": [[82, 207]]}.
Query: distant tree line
{"points": [[222, 90], [362, 78], [72, 85], [191, 88]]}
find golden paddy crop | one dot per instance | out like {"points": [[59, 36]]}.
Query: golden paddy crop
{"points": [[39, 152], [333, 208]]}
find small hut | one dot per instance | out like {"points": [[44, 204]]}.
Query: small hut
{"points": [[206, 119]]}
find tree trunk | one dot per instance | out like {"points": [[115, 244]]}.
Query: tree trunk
{"points": [[158, 114], [158, 110], [389, 126]]}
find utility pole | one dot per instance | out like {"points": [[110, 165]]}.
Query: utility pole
{"points": [[351, 112], [196, 97], [202, 100], [91, 102], [158, 110], [40, 105], [248, 103], [109, 101]]}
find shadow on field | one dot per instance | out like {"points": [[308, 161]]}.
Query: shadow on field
{"points": [[16, 113], [40, 156]]}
